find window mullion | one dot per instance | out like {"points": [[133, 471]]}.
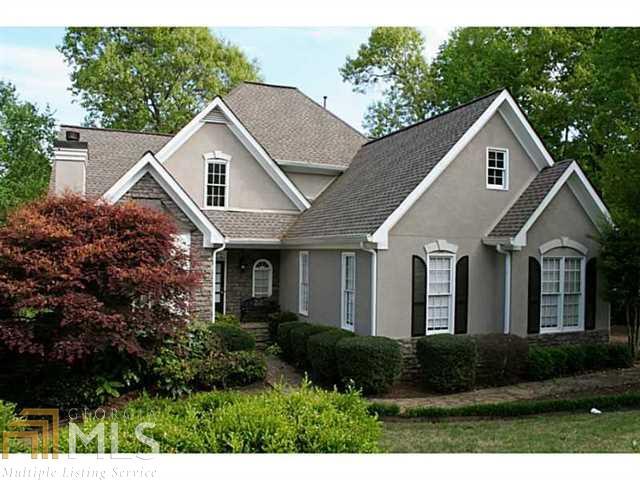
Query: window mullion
{"points": [[561, 296]]}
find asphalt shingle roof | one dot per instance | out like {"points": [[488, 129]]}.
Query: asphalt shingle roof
{"points": [[255, 225], [384, 172], [291, 126], [112, 153], [515, 218]]}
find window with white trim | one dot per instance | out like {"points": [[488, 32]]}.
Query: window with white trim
{"points": [[303, 287], [216, 183], [348, 309], [262, 278], [562, 302], [440, 287], [497, 168]]}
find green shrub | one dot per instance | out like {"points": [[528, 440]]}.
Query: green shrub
{"points": [[540, 364], [559, 358], [275, 319], [231, 369], [7, 415], [227, 319], [321, 352], [503, 359], [576, 360], [304, 420], [448, 362], [384, 409], [370, 363], [233, 338], [619, 356], [284, 337], [597, 356], [173, 371], [298, 338]]}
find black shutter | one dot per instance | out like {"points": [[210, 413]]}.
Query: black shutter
{"points": [[418, 297], [462, 295], [591, 292], [533, 312]]}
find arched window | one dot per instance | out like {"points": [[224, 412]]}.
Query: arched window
{"points": [[262, 278]]}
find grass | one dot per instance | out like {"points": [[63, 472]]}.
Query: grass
{"points": [[615, 432]]}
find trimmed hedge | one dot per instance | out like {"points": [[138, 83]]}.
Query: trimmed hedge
{"points": [[371, 363], [502, 359], [284, 337], [448, 362], [384, 409], [233, 338], [528, 407], [321, 354], [298, 338], [550, 362], [275, 319]]}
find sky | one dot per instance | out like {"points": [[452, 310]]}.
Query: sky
{"points": [[308, 58]]}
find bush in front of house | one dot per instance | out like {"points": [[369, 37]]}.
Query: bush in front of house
{"points": [[549, 362], [299, 338], [502, 359], [302, 420], [369, 363], [321, 354], [284, 337], [448, 362], [231, 369], [277, 318], [233, 338]]}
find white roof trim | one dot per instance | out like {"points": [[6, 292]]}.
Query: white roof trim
{"points": [[441, 246], [584, 192], [250, 143], [149, 164], [517, 122]]}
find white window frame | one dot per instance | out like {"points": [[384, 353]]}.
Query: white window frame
{"points": [[220, 159], [253, 278], [343, 309], [560, 328], [303, 284], [452, 293], [505, 177]]}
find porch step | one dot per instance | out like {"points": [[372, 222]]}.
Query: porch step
{"points": [[260, 330]]}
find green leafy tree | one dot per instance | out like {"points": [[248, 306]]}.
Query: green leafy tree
{"points": [[152, 79], [392, 60], [26, 138]]}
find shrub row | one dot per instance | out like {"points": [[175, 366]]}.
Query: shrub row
{"points": [[550, 362], [453, 363], [338, 357], [304, 420], [528, 407]]}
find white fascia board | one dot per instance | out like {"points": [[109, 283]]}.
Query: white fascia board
{"points": [[381, 236], [250, 143], [584, 192], [149, 164], [305, 167]]}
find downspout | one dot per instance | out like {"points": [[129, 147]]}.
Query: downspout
{"points": [[374, 286], [213, 281], [507, 287]]}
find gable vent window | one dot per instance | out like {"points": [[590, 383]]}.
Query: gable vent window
{"points": [[217, 183], [497, 169]]}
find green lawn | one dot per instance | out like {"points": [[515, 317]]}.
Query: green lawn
{"points": [[562, 433]]}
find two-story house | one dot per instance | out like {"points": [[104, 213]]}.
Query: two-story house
{"points": [[462, 223]]}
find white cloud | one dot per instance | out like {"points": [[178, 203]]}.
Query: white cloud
{"points": [[40, 76], [434, 36]]}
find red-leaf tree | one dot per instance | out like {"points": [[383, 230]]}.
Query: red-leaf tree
{"points": [[79, 278]]}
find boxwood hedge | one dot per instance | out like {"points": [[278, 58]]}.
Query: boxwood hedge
{"points": [[448, 362], [321, 354]]}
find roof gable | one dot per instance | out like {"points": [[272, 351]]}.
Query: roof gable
{"points": [[218, 112], [149, 164]]}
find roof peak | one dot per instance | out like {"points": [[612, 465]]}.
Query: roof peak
{"points": [[120, 130], [272, 85], [441, 114]]}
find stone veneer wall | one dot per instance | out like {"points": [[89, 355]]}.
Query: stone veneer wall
{"points": [[411, 366], [148, 193], [239, 285]]}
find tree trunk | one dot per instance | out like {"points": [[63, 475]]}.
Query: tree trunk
{"points": [[633, 329]]}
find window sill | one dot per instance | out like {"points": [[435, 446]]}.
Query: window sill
{"points": [[561, 330], [497, 188]]}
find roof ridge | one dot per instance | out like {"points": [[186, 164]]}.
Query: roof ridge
{"points": [[121, 130], [441, 114], [265, 84]]}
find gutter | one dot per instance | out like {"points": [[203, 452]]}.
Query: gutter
{"points": [[374, 286], [213, 281]]}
